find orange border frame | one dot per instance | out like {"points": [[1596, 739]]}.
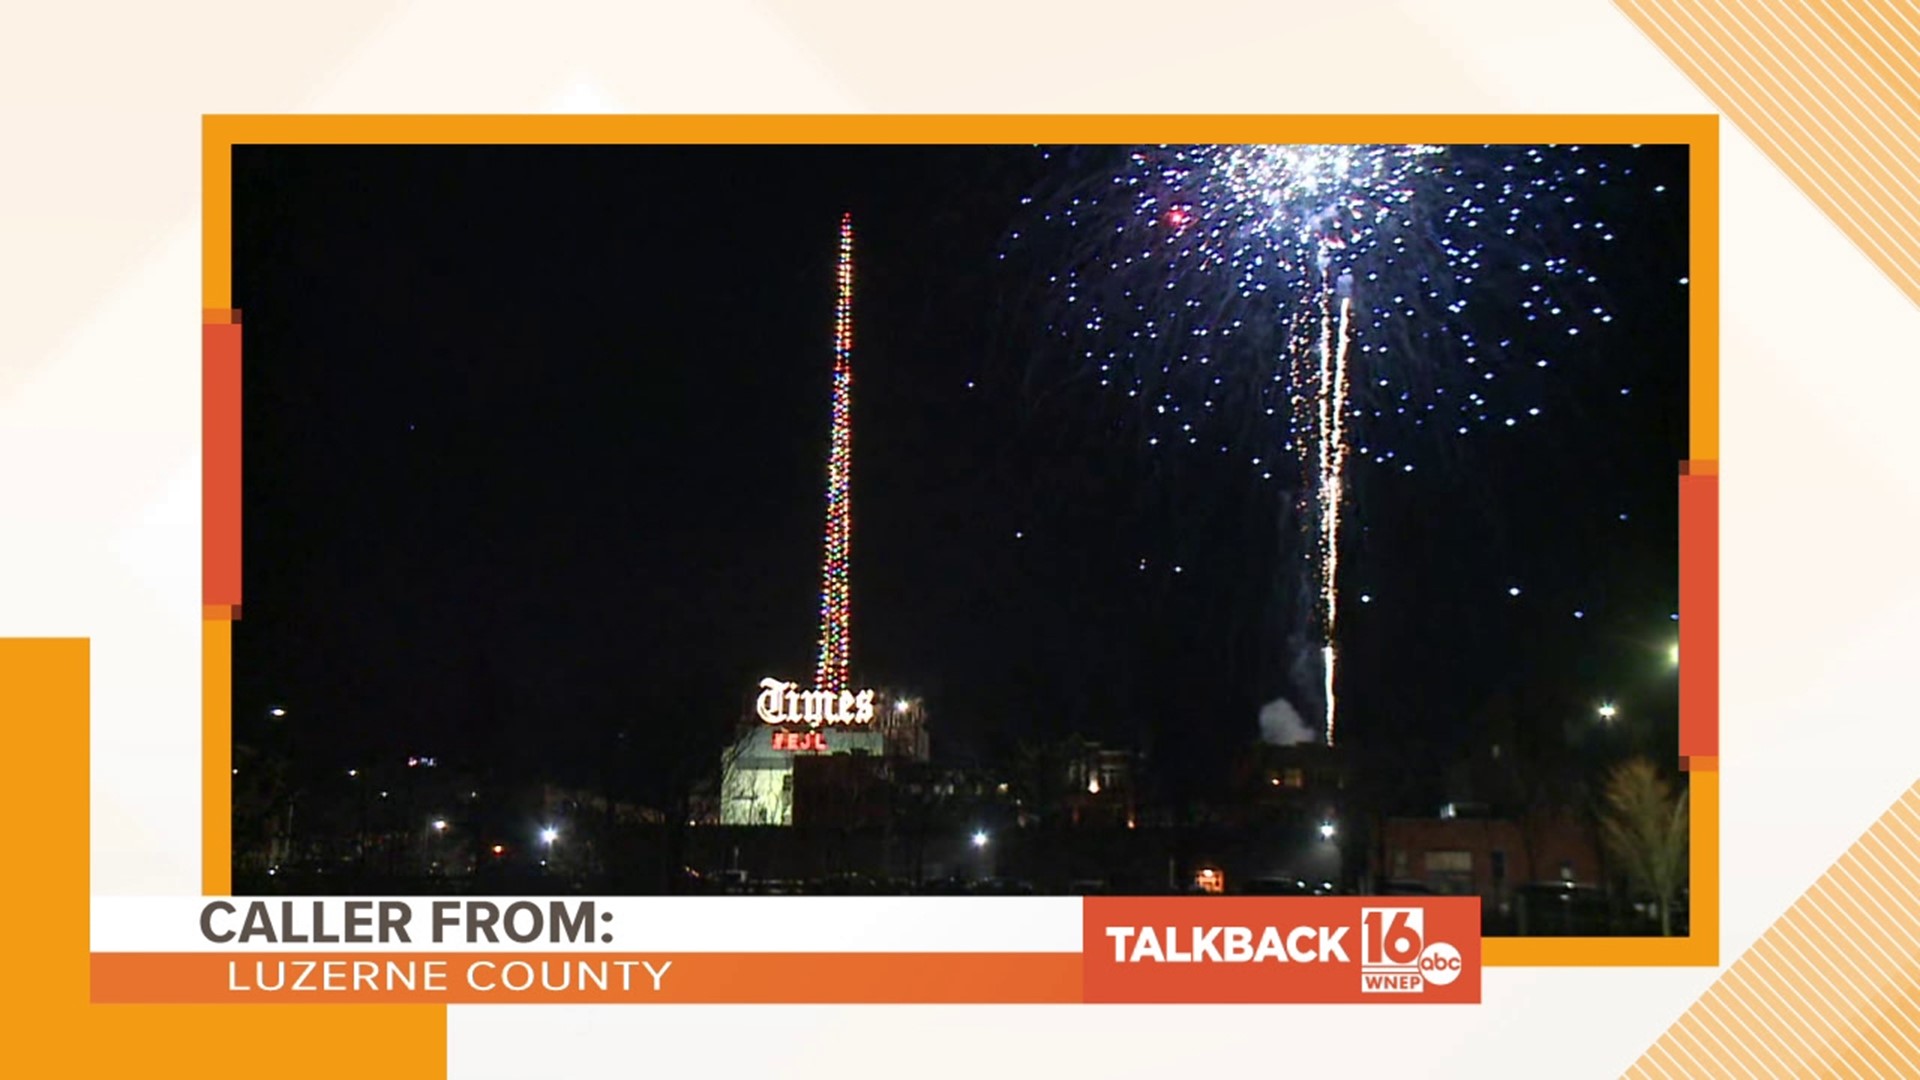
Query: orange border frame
{"points": [[45, 694], [1699, 495]]}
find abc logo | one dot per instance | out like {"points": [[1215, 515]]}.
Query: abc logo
{"points": [[1440, 963]]}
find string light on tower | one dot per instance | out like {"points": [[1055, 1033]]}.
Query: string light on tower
{"points": [[834, 629]]}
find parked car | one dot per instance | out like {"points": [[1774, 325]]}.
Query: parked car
{"points": [[1277, 887]]}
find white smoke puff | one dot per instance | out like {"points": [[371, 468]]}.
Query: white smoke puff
{"points": [[1280, 725]]}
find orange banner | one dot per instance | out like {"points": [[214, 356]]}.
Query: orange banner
{"points": [[1699, 615], [220, 464], [1322, 949], [582, 978]]}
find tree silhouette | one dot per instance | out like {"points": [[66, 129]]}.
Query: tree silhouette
{"points": [[1039, 777], [262, 797], [1643, 824]]}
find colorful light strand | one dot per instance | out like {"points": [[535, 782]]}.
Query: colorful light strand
{"points": [[835, 629]]}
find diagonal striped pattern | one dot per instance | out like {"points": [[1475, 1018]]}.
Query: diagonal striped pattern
{"points": [[1831, 990], [1829, 90]]}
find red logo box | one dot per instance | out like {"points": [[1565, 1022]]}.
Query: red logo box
{"points": [[1293, 949]]}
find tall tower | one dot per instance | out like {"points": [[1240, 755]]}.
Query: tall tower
{"points": [[835, 633], [756, 775]]}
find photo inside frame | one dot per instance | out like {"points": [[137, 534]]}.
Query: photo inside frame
{"points": [[965, 520]]}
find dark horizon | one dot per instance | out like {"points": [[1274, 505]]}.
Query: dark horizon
{"points": [[535, 450]]}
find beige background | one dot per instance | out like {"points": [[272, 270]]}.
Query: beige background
{"points": [[99, 488]]}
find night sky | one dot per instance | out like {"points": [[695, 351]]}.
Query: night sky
{"points": [[535, 448]]}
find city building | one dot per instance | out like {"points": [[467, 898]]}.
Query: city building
{"points": [[758, 785], [1102, 788], [842, 791], [1465, 855], [1303, 784]]}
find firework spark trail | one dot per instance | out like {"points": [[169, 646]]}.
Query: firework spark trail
{"points": [[1324, 496], [1329, 286], [1329, 438], [1333, 444]]}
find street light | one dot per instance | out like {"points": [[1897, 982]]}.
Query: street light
{"points": [[276, 712], [548, 835], [902, 705], [1608, 712], [1673, 655], [1326, 830], [979, 839], [430, 841]]}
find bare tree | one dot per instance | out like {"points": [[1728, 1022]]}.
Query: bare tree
{"points": [[1643, 824]]}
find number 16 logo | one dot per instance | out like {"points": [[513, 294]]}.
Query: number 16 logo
{"points": [[1393, 941], [1392, 937]]}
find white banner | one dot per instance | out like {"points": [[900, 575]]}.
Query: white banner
{"points": [[795, 924]]}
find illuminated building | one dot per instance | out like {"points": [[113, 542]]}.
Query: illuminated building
{"points": [[1100, 787], [756, 781], [757, 771]]}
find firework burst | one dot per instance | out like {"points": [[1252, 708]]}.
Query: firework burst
{"points": [[1329, 302]]}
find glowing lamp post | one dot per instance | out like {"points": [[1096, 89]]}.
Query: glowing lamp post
{"points": [[436, 829]]}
